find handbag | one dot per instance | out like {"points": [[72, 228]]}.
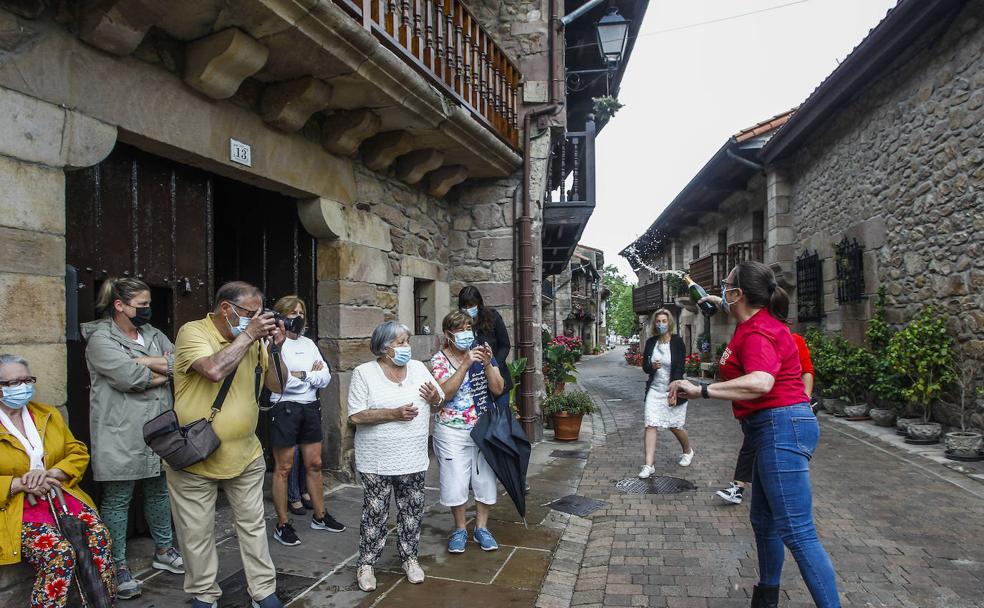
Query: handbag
{"points": [[183, 446]]}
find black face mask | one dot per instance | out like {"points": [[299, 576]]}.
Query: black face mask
{"points": [[295, 325], [142, 317]]}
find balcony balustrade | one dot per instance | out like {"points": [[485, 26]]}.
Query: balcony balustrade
{"points": [[444, 42]]}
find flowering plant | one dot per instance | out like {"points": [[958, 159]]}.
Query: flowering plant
{"points": [[568, 342], [634, 358], [691, 364]]}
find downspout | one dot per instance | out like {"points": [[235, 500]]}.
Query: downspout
{"points": [[524, 227], [525, 269]]}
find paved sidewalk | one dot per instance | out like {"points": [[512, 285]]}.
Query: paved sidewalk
{"points": [[901, 530], [320, 573]]}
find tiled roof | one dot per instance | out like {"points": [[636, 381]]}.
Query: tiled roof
{"points": [[764, 127]]}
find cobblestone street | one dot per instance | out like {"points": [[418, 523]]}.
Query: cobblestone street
{"points": [[901, 530]]}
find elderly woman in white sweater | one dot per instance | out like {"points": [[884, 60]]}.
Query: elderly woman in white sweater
{"points": [[388, 401]]}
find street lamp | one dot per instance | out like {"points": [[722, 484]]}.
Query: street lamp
{"points": [[613, 36]]}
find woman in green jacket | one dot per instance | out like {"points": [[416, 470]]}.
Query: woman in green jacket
{"points": [[130, 364]]}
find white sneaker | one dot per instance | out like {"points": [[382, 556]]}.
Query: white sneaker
{"points": [[415, 573], [732, 494], [647, 471], [686, 459], [367, 580]]}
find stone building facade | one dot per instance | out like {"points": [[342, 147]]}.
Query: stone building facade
{"points": [[578, 307], [406, 195], [884, 161]]}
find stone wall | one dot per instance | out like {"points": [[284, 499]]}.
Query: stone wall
{"points": [[901, 169]]}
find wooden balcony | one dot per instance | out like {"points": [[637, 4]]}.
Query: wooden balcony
{"points": [[652, 297], [709, 271], [747, 251], [570, 197], [445, 43]]}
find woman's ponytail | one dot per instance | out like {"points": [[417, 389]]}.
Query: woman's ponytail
{"points": [[114, 289], [758, 283]]}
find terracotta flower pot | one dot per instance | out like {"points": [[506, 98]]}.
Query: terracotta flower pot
{"points": [[882, 417], [567, 427], [966, 444]]}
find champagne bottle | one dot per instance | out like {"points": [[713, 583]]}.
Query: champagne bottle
{"points": [[696, 293]]}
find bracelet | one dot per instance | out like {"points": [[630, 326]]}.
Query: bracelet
{"points": [[703, 390]]}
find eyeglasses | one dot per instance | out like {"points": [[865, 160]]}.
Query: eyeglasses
{"points": [[725, 286], [250, 313], [18, 382]]}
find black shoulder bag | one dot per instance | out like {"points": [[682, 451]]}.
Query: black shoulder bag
{"points": [[182, 446]]}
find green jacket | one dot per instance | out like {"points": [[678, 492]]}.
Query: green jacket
{"points": [[121, 399]]}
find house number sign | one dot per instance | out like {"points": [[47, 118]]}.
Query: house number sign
{"points": [[240, 153]]}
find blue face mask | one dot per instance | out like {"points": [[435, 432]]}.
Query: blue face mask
{"points": [[471, 312], [724, 300], [662, 328], [464, 339], [17, 397], [238, 329], [401, 355]]}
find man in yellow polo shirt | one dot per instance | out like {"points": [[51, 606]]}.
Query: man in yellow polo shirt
{"points": [[229, 340]]}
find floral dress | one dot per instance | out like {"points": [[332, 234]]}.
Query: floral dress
{"points": [[659, 414]]}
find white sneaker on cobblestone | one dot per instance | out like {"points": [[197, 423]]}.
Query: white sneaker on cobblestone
{"points": [[367, 580], [686, 459], [647, 471], [731, 494], [415, 573]]}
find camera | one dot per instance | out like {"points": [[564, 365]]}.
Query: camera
{"points": [[294, 326]]}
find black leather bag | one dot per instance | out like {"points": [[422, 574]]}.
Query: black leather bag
{"points": [[183, 446]]}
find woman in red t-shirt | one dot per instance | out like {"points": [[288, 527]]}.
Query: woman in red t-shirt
{"points": [[763, 380]]}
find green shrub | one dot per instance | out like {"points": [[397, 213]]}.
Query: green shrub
{"points": [[573, 402], [922, 353], [886, 383]]}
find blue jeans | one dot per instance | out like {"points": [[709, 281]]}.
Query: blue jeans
{"points": [[784, 439], [297, 480]]}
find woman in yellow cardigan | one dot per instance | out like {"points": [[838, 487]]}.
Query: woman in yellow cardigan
{"points": [[38, 453]]}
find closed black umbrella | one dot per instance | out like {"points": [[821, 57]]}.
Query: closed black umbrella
{"points": [[506, 448], [91, 587]]}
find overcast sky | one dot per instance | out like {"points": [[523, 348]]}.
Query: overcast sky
{"points": [[686, 91]]}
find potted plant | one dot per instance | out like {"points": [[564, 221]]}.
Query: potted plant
{"points": [[964, 444], [886, 384], [859, 366], [922, 353], [516, 369], [838, 383], [558, 367], [820, 352], [605, 107], [691, 365], [567, 410]]}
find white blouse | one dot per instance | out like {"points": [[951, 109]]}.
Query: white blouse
{"points": [[391, 448]]}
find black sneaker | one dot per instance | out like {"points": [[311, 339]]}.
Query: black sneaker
{"points": [[286, 535], [326, 523]]}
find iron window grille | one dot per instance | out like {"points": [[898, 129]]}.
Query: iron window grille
{"points": [[809, 286], [849, 260]]}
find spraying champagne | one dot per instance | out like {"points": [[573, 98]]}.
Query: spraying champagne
{"points": [[696, 294]]}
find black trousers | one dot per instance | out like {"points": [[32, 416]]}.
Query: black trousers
{"points": [[746, 462]]}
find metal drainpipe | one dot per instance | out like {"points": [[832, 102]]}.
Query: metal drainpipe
{"points": [[524, 267]]}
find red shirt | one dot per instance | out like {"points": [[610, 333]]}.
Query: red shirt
{"points": [[764, 344], [804, 352]]}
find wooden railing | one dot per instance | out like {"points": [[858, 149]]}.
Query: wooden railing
{"points": [[709, 271], [446, 44], [571, 173], [747, 251]]}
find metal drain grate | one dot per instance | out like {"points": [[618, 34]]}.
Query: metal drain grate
{"points": [[581, 506], [654, 485], [582, 454]]}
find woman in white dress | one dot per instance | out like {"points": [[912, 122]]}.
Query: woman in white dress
{"points": [[663, 361]]}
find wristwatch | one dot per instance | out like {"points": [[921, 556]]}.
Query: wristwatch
{"points": [[703, 390]]}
